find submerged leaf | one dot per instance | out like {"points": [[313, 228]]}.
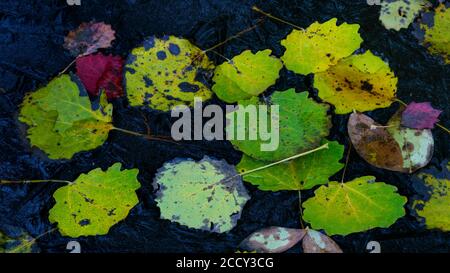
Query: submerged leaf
{"points": [[434, 32], [420, 116], [398, 14], [99, 72], [360, 82], [433, 202], [88, 38], [320, 46], [303, 123], [272, 240], [62, 120], [355, 206], [394, 148], [17, 241], [316, 242], [167, 72], [300, 174], [206, 195], [246, 75], [95, 201]]}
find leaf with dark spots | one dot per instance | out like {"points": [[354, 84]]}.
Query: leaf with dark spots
{"points": [[99, 72], [420, 116], [272, 240], [88, 38]]}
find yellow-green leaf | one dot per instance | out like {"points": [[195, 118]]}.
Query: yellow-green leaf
{"points": [[355, 206], [437, 33], [320, 46], [62, 120], [167, 72], [400, 14], [360, 82], [433, 202], [207, 194], [298, 174], [95, 201], [246, 75]]}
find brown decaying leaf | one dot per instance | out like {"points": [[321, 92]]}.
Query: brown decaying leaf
{"points": [[316, 242], [374, 144], [272, 239], [88, 38]]}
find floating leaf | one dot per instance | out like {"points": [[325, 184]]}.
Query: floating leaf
{"points": [[320, 46], [360, 82], [316, 242], [246, 75], [303, 123], [272, 239], [398, 14], [394, 148], [95, 201], [207, 194], [62, 121], [17, 242], [167, 72], [99, 72], [420, 116], [355, 206], [299, 174], [88, 38], [434, 32], [433, 202]]}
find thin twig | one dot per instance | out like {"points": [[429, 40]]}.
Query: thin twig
{"points": [[149, 137], [67, 67], [255, 8], [300, 209], [5, 182]]}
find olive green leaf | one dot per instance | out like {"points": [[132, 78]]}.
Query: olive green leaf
{"points": [[19, 242], [320, 46], [206, 195], [355, 206], [436, 36], [246, 75], [300, 174], [95, 201], [303, 123], [167, 72], [62, 120], [398, 14], [359, 82], [433, 201]]}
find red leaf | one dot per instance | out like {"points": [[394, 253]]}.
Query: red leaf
{"points": [[99, 72], [88, 38], [420, 116]]}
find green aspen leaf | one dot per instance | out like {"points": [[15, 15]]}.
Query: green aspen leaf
{"points": [[433, 202], [62, 120], [360, 82], [95, 201], [246, 75], [299, 174], [303, 123], [398, 14], [167, 72], [206, 195], [320, 46], [355, 206], [18, 242], [437, 32]]}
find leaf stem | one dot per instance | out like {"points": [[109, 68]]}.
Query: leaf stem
{"points": [[5, 182], [149, 137], [300, 209], [255, 8], [68, 66], [325, 146], [347, 158], [31, 242]]}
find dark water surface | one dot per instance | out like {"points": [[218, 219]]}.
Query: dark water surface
{"points": [[31, 54]]}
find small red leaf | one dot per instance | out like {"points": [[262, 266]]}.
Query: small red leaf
{"points": [[88, 38], [99, 72], [420, 116]]}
